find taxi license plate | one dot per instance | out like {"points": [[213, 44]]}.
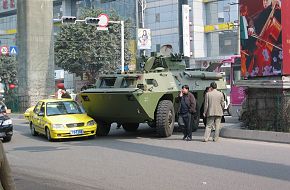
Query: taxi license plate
{"points": [[76, 132]]}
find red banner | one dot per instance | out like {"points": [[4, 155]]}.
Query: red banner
{"points": [[286, 37], [261, 37]]}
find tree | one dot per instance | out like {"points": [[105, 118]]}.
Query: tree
{"points": [[8, 72], [82, 49]]}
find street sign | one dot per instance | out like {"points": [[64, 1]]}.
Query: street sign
{"points": [[4, 50], [13, 50]]}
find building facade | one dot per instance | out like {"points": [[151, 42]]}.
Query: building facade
{"points": [[8, 22], [213, 27]]}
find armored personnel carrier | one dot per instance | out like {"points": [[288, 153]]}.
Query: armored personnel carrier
{"points": [[148, 96]]}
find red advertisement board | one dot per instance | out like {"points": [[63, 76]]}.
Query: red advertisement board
{"points": [[261, 38], [286, 36]]}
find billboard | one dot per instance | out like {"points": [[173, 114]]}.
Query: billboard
{"points": [[144, 38], [286, 37], [261, 38], [185, 29]]}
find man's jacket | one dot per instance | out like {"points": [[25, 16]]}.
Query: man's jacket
{"points": [[190, 102], [214, 104]]}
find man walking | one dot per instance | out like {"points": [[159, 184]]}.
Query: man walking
{"points": [[186, 111], [213, 110]]}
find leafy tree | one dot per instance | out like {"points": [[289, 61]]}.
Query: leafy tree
{"points": [[8, 72], [81, 48]]}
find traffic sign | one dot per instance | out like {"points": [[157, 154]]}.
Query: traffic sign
{"points": [[4, 50], [103, 20], [13, 50]]}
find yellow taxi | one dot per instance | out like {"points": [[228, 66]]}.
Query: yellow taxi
{"points": [[28, 112], [60, 118]]}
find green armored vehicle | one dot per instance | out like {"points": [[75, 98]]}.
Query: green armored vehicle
{"points": [[145, 97]]}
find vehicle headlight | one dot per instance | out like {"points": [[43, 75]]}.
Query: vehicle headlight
{"points": [[58, 126], [91, 123], [7, 122]]}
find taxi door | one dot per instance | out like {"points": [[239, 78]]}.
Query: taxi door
{"points": [[41, 117], [36, 118]]}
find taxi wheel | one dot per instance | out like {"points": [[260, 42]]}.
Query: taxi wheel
{"points": [[47, 133], [32, 130]]}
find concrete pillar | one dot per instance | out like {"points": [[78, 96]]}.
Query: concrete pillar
{"points": [[36, 52], [69, 7]]}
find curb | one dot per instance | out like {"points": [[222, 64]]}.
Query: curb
{"points": [[267, 136]]}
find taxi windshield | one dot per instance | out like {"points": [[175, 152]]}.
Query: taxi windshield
{"points": [[63, 108]]}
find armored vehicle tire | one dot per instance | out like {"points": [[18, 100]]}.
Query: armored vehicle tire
{"points": [[103, 129], [165, 118], [130, 127]]}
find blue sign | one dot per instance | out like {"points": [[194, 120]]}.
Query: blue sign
{"points": [[13, 50]]}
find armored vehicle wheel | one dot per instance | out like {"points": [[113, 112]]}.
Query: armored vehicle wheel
{"points": [[130, 127], [103, 129], [165, 118]]}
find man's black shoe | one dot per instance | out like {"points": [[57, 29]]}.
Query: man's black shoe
{"points": [[184, 137], [189, 139]]}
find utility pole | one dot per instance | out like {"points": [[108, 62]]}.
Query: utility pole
{"points": [[36, 52]]}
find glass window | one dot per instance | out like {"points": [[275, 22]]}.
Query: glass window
{"points": [[37, 107], [129, 82], [107, 82], [62, 108]]}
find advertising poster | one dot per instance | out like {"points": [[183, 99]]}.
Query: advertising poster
{"points": [[286, 36], [261, 38], [144, 38]]}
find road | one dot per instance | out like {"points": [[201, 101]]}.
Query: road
{"points": [[143, 161]]}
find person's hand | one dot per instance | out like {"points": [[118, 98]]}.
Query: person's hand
{"points": [[276, 2], [251, 31], [180, 94]]}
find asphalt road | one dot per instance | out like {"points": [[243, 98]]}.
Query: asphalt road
{"points": [[143, 161]]}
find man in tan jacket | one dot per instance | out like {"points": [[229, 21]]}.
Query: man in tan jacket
{"points": [[6, 179], [213, 110]]}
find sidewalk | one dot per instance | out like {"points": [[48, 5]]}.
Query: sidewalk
{"points": [[232, 129]]}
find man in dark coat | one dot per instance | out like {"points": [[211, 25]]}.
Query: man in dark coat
{"points": [[186, 111]]}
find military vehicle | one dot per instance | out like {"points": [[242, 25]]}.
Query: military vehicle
{"points": [[148, 96]]}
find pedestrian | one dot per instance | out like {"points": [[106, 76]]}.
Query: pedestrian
{"points": [[65, 94], [207, 89], [213, 110], [187, 110], [6, 179]]}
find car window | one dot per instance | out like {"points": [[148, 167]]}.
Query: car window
{"points": [[37, 107], [129, 82], [42, 108], [63, 108]]}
